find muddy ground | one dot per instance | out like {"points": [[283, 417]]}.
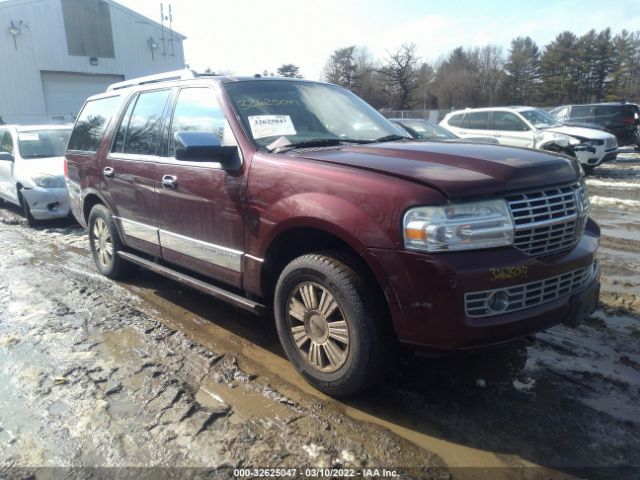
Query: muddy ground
{"points": [[147, 373]]}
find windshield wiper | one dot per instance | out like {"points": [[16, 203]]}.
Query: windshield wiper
{"points": [[39, 155], [390, 138], [314, 142]]}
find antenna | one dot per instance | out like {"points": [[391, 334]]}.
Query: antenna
{"points": [[162, 19], [173, 51]]}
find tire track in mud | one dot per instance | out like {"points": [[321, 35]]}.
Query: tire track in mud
{"points": [[104, 382]]}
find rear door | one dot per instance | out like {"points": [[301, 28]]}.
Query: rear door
{"points": [[7, 187], [129, 171], [200, 205], [480, 125], [510, 129]]}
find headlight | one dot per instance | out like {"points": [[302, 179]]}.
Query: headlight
{"points": [[463, 226], [49, 181]]}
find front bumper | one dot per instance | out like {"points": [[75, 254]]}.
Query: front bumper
{"points": [[426, 293], [47, 203], [601, 155]]}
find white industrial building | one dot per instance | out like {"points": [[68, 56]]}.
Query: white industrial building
{"points": [[56, 53]]}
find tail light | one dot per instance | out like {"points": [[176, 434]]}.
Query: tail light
{"points": [[628, 120], [66, 169]]}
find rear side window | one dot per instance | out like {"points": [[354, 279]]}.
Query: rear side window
{"points": [[479, 120], [607, 111], [456, 120], [139, 128], [92, 123]]}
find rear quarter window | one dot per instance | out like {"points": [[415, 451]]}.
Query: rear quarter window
{"points": [[92, 123]]}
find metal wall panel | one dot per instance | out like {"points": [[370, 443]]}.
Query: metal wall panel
{"points": [[42, 47]]}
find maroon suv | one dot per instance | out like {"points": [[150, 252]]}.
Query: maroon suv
{"points": [[298, 197]]}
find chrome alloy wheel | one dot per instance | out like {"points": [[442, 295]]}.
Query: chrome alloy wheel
{"points": [[318, 327], [102, 243]]}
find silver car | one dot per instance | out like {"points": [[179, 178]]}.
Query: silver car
{"points": [[32, 170]]}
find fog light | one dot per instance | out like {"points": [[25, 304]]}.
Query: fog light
{"points": [[498, 301]]}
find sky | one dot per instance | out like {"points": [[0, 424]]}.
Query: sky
{"points": [[244, 37]]}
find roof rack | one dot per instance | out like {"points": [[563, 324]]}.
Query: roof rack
{"points": [[184, 74]]}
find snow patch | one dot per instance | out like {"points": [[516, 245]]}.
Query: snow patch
{"points": [[613, 202], [611, 184]]}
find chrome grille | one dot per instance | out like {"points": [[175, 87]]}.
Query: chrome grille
{"points": [[528, 295], [549, 221]]}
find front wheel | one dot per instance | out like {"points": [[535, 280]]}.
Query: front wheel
{"points": [[330, 323], [26, 210], [105, 244]]}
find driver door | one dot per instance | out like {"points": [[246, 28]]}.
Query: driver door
{"points": [[200, 205]]}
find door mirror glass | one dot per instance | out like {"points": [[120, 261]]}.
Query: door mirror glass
{"points": [[203, 147], [7, 157]]}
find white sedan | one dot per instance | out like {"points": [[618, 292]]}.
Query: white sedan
{"points": [[534, 128], [32, 170]]}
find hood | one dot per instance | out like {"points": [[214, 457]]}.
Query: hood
{"points": [[27, 168], [580, 132], [457, 169]]}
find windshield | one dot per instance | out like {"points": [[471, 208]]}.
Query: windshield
{"points": [[43, 143], [539, 118], [306, 112], [423, 130]]}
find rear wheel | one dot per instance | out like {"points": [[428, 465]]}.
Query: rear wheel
{"points": [[105, 244], [331, 325]]}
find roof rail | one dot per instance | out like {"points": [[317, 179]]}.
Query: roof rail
{"points": [[160, 77]]}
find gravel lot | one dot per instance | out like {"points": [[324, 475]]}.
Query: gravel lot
{"points": [[148, 373]]}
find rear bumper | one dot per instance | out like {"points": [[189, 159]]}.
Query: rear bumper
{"points": [[426, 293], [47, 203]]}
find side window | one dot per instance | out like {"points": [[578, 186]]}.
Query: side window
{"points": [[118, 144], [509, 122], [6, 140], [197, 110], [139, 128], [581, 112], [478, 120], [92, 123]]}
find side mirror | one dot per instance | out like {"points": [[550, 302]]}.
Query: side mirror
{"points": [[6, 156], [204, 147]]}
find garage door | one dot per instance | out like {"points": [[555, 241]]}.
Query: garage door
{"points": [[64, 93]]}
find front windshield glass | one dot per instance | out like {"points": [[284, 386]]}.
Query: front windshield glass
{"points": [[423, 130], [43, 143], [306, 112], [539, 118]]}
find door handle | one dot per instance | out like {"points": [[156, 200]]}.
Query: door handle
{"points": [[169, 181], [497, 135], [108, 172]]}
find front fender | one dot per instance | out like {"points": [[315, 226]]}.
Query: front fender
{"points": [[360, 226]]}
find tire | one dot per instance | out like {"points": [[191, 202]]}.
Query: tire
{"points": [[343, 347], [588, 170], [26, 211], [105, 244]]}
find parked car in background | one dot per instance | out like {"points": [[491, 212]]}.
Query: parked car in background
{"points": [[420, 129], [534, 128], [32, 170], [620, 118], [298, 198]]}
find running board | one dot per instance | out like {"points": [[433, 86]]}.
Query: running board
{"points": [[217, 292]]}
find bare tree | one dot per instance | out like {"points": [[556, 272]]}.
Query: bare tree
{"points": [[399, 72]]}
